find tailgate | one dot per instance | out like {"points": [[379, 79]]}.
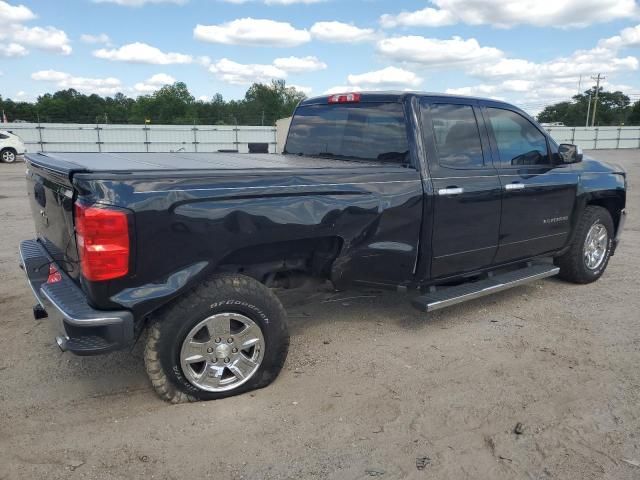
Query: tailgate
{"points": [[51, 199]]}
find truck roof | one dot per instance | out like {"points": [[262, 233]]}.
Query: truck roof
{"points": [[398, 95]]}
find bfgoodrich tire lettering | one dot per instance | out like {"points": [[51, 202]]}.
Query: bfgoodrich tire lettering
{"points": [[222, 294], [573, 267]]}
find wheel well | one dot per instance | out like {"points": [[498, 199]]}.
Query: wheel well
{"points": [[9, 148], [269, 262], [612, 204]]}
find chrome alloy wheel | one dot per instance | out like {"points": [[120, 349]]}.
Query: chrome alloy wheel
{"points": [[222, 352], [8, 156], [595, 246]]}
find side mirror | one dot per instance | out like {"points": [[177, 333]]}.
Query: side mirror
{"points": [[568, 153]]}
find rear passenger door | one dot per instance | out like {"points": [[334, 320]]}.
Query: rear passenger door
{"points": [[466, 207], [538, 194]]}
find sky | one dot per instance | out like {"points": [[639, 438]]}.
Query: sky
{"points": [[530, 52]]}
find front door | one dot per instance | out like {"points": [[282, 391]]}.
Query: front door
{"points": [[538, 193], [466, 187]]}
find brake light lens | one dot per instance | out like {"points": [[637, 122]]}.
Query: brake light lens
{"points": [[54, 274], [344, 98], [102, 236]]}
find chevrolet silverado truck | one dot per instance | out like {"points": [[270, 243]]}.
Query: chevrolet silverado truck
{"points": [[443, 198]]}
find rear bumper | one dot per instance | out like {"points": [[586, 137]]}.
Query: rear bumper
{"points": [[83, 330]]}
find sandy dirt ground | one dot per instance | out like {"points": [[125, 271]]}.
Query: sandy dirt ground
{"points": [[371, 389]]}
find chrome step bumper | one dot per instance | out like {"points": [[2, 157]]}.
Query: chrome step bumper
{"points": [[83, 330]]}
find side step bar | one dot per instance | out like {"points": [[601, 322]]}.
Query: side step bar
{"points": [[447, 296]]}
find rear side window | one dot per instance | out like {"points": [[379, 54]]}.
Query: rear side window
{"points": [[3, 136], [359, 131], [457, 137], [519, 141]]}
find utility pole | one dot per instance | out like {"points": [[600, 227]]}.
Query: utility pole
{"points": [[595, 101], [586, 122]]}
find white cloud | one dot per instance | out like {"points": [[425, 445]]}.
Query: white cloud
{"points": [[628, 37], [299, 64], [99, 38], [275, 2], [427, 17], [500, 13], [254, 32], [435, 52], [290, 2], [18, 36], [342, 89], [12, 50], [245, 74], [14, 13], [536, 84], [581, 62], [49, 75], [341, 32], [142, 53], [153, 83], [101, 86], [300, 88], [49, 39], [140, 3], [386, 78]]}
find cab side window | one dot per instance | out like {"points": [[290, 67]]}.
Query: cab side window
{"points": [[519, 141], [457, 137]]}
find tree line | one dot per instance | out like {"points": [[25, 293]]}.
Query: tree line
{"points": [[612, 109], [171, 104], [262, 105]]}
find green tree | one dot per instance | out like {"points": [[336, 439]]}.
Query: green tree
{"points": [[634, 114], [170, 104], [612, 109]]}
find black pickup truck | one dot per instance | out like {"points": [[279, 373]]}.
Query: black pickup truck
{"points": [[444, 198]]}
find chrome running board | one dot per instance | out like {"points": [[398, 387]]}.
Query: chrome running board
{"points": [[447, 296]]}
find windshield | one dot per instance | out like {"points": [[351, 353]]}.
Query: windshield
{"points": [[358, 131]]}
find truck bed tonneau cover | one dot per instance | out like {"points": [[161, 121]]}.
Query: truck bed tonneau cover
{"points": [[136, 162]]}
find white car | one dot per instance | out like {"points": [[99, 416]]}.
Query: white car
{"points": [[10, 146]]}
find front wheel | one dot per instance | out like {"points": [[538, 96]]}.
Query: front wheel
{"points": [[589, 254], [228, 336], [8, 155]]}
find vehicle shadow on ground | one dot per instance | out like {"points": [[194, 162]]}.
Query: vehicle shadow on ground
{"points": [[377, 306], [371, 311]]}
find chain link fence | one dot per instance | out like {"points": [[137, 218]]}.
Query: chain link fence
{"points": [[74, 137]]}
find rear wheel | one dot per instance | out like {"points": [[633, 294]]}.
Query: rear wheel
{"points": [[590, 250], [226, 337], [8, 155]]}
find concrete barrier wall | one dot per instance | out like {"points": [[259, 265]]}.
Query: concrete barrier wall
{"points": [[594, 138], [74, 137]]}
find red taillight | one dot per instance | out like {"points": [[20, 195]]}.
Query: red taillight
{"points": [[344, 98], [102, 236], [54, 274]]}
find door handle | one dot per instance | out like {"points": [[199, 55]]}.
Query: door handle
{"points": [[514, 186], [450, 191]]}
